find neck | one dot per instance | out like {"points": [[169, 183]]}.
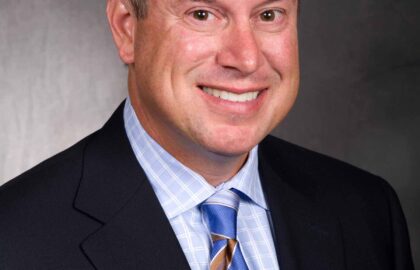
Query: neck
{"points": [[215, 168]]}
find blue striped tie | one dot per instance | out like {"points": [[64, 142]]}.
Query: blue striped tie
{"points": [[220, 212]]}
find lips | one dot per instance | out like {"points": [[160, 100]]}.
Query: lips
{"points": [[230, 96]]}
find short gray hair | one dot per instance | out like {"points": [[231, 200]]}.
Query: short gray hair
{"points": [[140, 8]]}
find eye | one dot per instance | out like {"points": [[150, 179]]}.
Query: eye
{"points": [[204, 19], [268, 15], [270, 19], [271, 15], [201, 15]]}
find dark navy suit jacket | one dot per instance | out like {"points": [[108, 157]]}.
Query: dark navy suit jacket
{"points": [[91, 207]]}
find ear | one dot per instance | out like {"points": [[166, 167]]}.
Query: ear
{"points": [[122, 20]]}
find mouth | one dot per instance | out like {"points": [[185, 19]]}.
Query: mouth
{"points": [[230, 96]]}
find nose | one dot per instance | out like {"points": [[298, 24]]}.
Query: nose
{"points": [[240, 50]]}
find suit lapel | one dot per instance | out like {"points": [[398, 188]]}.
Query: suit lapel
{"points": [[114, 190], [138, 237], [306, 236]]}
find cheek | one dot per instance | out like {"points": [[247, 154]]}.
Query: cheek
{"points": [[282, 52], [193, 49]]}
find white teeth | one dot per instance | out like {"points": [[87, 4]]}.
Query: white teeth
{"points": [[231, 96]]}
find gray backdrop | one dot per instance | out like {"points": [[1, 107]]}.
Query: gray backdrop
{"points": [[60, 79]]}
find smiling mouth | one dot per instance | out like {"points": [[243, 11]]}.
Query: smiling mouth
{"points": [[229, 96]]}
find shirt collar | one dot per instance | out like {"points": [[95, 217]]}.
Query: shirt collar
{"points": [[177, 187]]}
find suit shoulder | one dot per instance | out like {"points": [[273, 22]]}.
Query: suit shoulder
{"points": [[307, 165], [341, 189], [51, 175], [38, 217]]}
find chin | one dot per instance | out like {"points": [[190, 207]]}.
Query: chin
{"points": [[228, 140], [232, 148]]}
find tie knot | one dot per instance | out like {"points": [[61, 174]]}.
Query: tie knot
{"points": [[220, 212]]}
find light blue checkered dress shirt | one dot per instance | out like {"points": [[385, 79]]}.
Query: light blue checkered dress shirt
{"points": [[181, 191]]}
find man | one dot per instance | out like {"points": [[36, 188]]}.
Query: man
{"points": [[207, 81]]}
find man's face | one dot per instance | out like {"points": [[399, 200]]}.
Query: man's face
{"points": [[214, 76]]}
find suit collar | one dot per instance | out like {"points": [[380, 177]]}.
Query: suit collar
{"points": [[306, 235], [115, 191]]}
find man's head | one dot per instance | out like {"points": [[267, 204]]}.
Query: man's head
{"points": [[209, 77]]}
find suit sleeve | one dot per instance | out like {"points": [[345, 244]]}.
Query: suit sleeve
{"points": [[401, 248]]}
